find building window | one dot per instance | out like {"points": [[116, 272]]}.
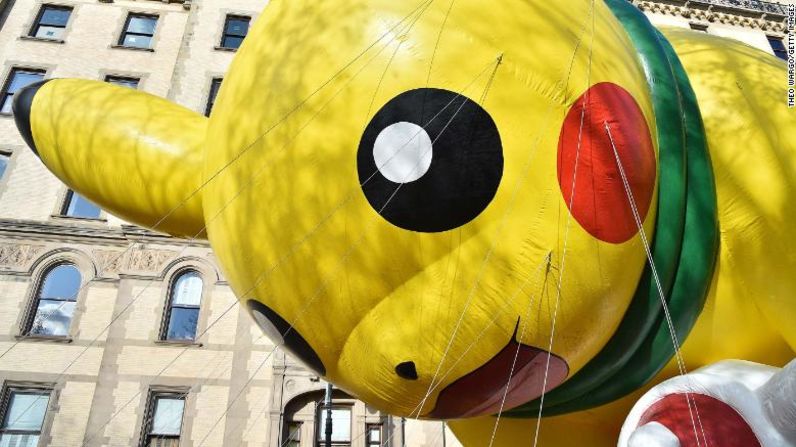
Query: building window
{"points": [[76, 205], [341, 426], [293, 434], [138, 31], [182, 314], [779, 47], [123, 81], [698, 27], [51, 22], [235, 29], [374, 435], [163, 422], [215, 85], [23, 416], [19, 77], [3, 164], [55, 301]]}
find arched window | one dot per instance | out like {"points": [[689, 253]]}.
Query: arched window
{"points": [[183, 306], [55, 301]]}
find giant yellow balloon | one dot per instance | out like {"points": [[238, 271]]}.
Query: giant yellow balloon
{"points": [[442, 207]]}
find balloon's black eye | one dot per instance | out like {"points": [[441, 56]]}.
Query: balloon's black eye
{"points": [[280, 331], [430, 160]]}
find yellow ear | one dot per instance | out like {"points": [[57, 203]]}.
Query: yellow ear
{"points": [[136, 155]]}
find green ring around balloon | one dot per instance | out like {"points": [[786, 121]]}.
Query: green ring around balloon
{"points": [[683, 249]]}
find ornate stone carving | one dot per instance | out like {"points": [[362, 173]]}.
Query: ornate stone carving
{"points": [[18, 255], [771, 18], [144, 260], [109, 261]]}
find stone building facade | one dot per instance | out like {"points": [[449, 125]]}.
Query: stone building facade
{"points": [[105, 368], [760, 24]]}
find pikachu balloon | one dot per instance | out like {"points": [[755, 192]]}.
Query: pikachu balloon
{"points": [[449, 208]]}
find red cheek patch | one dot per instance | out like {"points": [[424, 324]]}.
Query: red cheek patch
{"points": [[598, 201]]}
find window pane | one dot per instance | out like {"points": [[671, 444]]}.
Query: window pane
{"points": [[19, 440], [80, 207], [49, 32], [123, 82], [341, 425], [182, 323], [779, 48], [137, 41], [3, 165], [237, 27], [215, 85], [232, 42], [26, 411], [22, 78], [53, 16], [776, 44], [294, 431], [167, 419], [374, 435], [187, 289], [7, 103], [62, 282], [142, 25], [53, 318]]}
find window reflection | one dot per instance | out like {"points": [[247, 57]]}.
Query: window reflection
{"points": [[76, 205], [55, 301], [24, 412], [184, 303]]}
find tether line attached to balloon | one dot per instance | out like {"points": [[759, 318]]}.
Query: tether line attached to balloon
{"points": [[675, 342], [322, 287], [201, 231], [685, 244], [203, 381], [219, 213], [513, 199], [514, 361], [422, 113], [567, 227], [182, 203], [198, 234]]}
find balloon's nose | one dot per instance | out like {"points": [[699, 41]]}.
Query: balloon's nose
{"points": [[23, 103], [406, 370]]}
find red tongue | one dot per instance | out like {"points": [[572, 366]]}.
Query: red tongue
{"points": [[481, 392]]}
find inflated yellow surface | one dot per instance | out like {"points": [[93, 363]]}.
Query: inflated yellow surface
{"points": [[136, 155], [291, 228], [297, 233], [751, 310]]}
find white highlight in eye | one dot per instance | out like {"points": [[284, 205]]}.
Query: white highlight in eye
{"points": [[403, 152]]}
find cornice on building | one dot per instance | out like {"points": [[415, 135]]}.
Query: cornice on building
{"points": [[89, 233], [766, 16]]}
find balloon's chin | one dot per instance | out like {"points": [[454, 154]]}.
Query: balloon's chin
{"points": [[487, 390]]}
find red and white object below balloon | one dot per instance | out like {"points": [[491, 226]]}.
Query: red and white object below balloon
{"points": [[731, 403]]}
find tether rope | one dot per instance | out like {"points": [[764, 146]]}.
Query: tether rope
{"points": [[564, 86], [637, 218], [323, 285], [567, 227], [201, 231]]}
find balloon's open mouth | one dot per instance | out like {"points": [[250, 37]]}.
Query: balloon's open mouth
{"points": [[482, 391]]}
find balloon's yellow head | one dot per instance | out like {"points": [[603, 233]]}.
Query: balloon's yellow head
{"points": [[399, 185], [418, 198]]}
